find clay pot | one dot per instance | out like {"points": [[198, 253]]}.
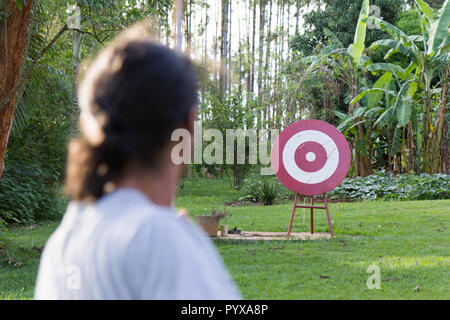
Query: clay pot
{"points": [[209, 224]]}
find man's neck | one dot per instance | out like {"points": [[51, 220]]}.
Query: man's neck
{"points": [[158, 187]]}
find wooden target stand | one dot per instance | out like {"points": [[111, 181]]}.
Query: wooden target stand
{"points": [[312, 207], [310, 158]]}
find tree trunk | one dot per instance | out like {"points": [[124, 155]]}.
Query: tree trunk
{"points": [[267, 67], [361, 157], [239, 53], [77, 42], [439, 154], [223, 48], [178, 23], [229, 46], [366, 170], [252, 62], [188, 28], [13, 40], [247, 19], [206, 33], [262, 6], [411, 148], [427, 133], [276, 88], [216, 46]]}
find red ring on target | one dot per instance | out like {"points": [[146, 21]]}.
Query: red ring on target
{"points": [[310, 157]]}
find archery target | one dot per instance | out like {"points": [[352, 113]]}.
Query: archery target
{"points": [[310, 157]]}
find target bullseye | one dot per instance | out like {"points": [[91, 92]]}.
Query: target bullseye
{"points": [[310, 157]]}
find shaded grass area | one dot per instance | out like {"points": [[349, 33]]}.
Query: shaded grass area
{"points": [[20, 259], [408, 240]]}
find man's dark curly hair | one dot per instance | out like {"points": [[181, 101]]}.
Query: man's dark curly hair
{"points": [[133, 95]]}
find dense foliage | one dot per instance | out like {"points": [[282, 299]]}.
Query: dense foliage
{"points": [[398, 115], [30, 188], [28, 194], [386, 186], [379, 186], [31, 185], [337, 18], [383, 83]]}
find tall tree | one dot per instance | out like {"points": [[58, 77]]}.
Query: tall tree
{"points": [[14, 33], [340, 18], [267, 66], [252, 53], [216, 46], [229, 44], [74, 23], [206, 22], [224, 48], [297, 16], [262, 21]]}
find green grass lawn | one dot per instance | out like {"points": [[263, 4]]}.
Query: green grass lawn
{"points": [[409, 241]]}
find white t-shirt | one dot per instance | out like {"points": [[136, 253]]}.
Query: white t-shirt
{"points": [[126, 247]]}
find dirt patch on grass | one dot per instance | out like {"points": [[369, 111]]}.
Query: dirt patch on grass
{"points": [[301, 199], [238, 203], [260, 235]]}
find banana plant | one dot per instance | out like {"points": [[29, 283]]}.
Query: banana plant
{"points": [[425, 66], [354, 51], [348, 64]]}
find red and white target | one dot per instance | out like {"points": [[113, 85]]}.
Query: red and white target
{"points": [[311, 157]]}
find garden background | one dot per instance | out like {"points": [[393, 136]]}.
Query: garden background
{"points": [[376, 70]]}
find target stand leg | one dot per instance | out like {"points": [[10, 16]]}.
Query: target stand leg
{"points": [[312, 215], [292, 216], [312, 207], [325, 201]]}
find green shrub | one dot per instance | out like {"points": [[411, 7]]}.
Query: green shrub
{"points": [[385, 185], [268, 193], [265, 190], [381, 185], [30, 188], [28, 194], [2, 230]]}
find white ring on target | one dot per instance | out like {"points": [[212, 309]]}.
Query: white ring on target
{"points": [[310, 177]]}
